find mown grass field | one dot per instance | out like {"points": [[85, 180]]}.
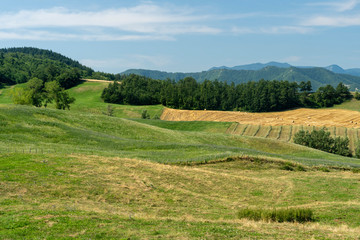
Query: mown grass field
{"points": [[56, 196], [92, 176]]}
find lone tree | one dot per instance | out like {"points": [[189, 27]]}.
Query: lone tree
{"points": [[54, 92], [39, 94]]}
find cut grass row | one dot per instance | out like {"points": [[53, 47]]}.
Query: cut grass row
{"points": [[286, 133]]}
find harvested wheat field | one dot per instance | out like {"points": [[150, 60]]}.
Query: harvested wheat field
{"points": [[302, 116]]}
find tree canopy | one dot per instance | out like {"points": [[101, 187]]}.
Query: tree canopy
{"points": [[39, 93], [187, 93]]}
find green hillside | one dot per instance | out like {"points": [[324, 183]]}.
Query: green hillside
{"points": [[85, 175], [18, 65], [24, 127], [318, 76]]}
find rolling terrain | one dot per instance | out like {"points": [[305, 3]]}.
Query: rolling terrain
{"points": [[86, 175], [279, 125]]}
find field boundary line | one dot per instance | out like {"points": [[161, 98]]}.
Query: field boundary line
{"points": [[268, 133]]}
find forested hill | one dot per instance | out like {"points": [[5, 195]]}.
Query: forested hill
{"points": [[18, 65], [318, 76]]}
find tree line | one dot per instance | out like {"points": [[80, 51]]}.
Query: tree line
{"points": [[187, 93]]}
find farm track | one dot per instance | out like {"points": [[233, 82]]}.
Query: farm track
{"points": [[279, 125]]}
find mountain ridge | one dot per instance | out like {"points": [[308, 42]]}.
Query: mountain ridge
{"points": [[318, 76], [258, 66]]}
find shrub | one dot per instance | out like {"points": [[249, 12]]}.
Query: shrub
{"points": [[145, 115], [287, 167], [300, 168], [357, 96], [278, 215], [357, 151], [110, 111]]}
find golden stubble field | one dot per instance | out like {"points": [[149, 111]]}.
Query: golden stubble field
{"points": [[302, 116]]}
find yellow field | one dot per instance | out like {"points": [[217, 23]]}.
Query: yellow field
{"points": [[278, 125], [302, 116]]}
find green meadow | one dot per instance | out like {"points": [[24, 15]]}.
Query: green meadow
{"points": [[82, 174]]}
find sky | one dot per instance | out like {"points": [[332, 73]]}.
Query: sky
{"points": [[186, 35]]}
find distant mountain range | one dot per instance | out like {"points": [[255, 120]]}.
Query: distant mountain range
{"points": [[258, 66], [270, 71]]}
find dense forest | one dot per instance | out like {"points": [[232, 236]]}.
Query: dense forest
{"points": [[187, 93], [19, 65]]}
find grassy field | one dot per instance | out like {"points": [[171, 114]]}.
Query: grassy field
{"points": [[51, 130], [88, 100], [353, 105], [85, 175], [56, 196]]}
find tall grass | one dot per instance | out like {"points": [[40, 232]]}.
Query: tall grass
{"points": [[278, 215]]}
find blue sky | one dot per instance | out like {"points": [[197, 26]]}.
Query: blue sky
{"points": [[184, 35]]}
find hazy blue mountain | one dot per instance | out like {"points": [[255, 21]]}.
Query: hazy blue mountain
{"points": [[254, 66], [353, 71], [258, 66], [318, 76], [336, 69]]}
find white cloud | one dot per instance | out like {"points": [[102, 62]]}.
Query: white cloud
{"points": [[340, 6], [147, 21], [242, 30], [333, 21], [286, 30], [128, 62], [273, 30]]}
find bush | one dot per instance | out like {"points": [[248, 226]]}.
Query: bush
{"points": [[321, 140], [287, 167], [357, 151], [300, 168], [357, 96], [278, 215], [145, 115]]}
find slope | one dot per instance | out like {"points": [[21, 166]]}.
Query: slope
{"points": [[23, 128]]}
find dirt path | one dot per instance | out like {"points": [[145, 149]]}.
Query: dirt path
{"points": [[96, 80], [302, 116]]}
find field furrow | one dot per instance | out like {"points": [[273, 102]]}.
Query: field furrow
{"points": [[332, 131], [263, 131], [274, 133], [286, 132], [341, 132], [352, 135], [295, 129], [232, 128], [241, 128], [251, 130]]}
